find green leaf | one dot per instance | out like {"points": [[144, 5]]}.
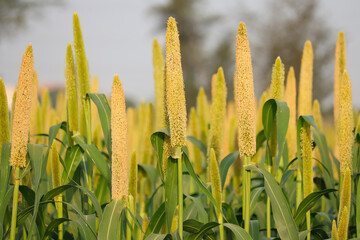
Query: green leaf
{"points": [[28, 194], [38, 159], [95, 155], [150, 172], [171, 191], [254, 197], [225, 165], [284, 221], [157, 141], [53, 226], [198, 144], [230, 214], [154, 236], [254, 229], [308, 203], [4, 169], [4, 203], [72, 161], [205, 229], [238, 232], [278, 111], [104, 112], [198, 181], [156, 221], [109, 224]]}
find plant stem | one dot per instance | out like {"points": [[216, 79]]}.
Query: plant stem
{"points": [[268, 213], [221, 227], [247, 187], [15, 204], [298, 187], [59, 207], [180, 188]]}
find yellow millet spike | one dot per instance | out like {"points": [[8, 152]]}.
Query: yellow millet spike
{"points": [[277, 93], [82, 69], [94, 88], [46, 106], [306, 155], [334, 233], [345, 197], [340, 67], [133, 175], [4, 117], [218, 114], [277, 80], [120, 162], [215, 180], [60, 110], [22, 111], [317, 115], [343, 225], [345, 125], [159, 78], [55, 166], [202, 110], [147, 148], [71, 90], [244, 95], [12, 111], [290, 96], [193, 122], [34, 103], [306, 81], [132, 133], [175, 95]]}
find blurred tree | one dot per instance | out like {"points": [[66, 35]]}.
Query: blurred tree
{"points": [[15, 13], [281, 29]]}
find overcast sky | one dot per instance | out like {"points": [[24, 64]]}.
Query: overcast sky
{"points": [[118, 39]]}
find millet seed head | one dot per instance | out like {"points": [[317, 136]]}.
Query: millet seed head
{"points": [[22, 111], [244, 95], [175, 95], [119, 162]]}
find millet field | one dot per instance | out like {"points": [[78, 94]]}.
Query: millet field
{"points": [[92, 168]]}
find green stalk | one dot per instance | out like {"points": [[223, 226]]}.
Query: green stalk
{"points": [[221, 227], [180, 188], [129, 227], [247, 178], [298, 187], [268, 213], [59, 207], [15, 204], [358, 209]]}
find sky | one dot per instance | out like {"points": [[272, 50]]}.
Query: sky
{"points": [[118, 38]]}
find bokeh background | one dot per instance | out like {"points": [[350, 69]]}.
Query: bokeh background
{"points": [[118, 38]]}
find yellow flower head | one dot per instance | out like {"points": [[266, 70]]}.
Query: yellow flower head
{"points": [[277, 80], [290, 96], [120, 162], [4, 116], [158, 64], [345, 125], [244, 95], [215, 179], [306, 81], [71, 90], [218, 113], [306, 155], [82, 69], [202, 110], [175, 95], [22, 111], [334, 233], [340, 66], [317, 115], [343, 225]]}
